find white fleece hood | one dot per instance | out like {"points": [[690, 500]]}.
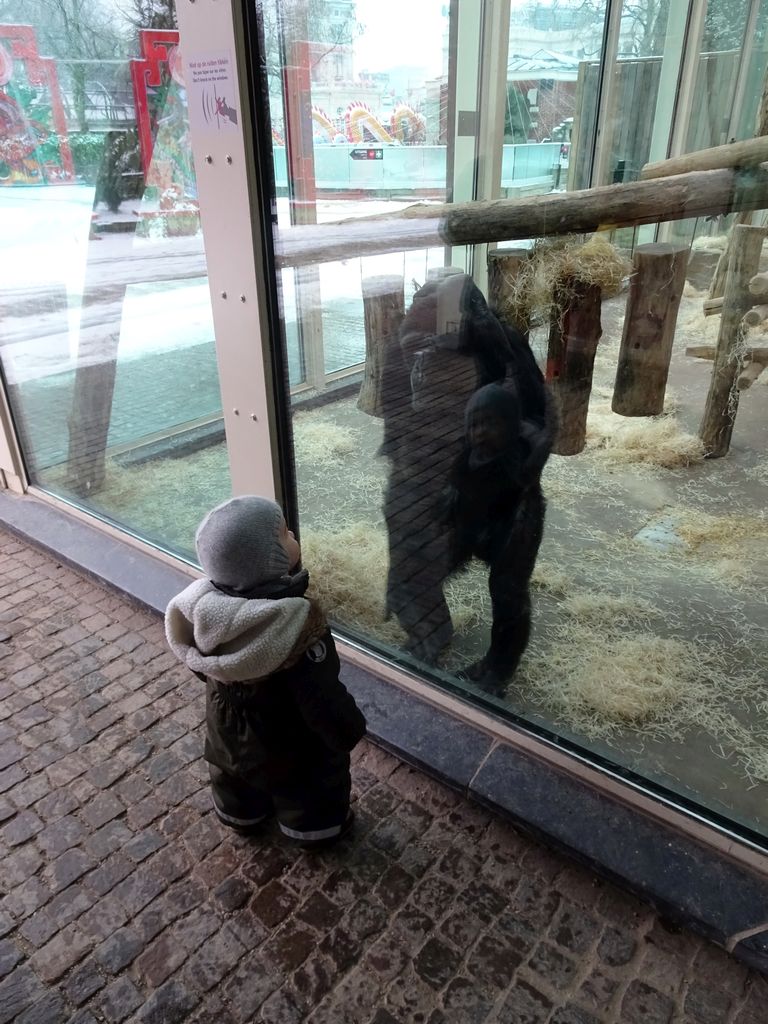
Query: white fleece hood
{"points": [[232, 639]]}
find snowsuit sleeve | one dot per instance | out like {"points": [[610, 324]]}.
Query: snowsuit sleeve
{"points": [[322, 699]]}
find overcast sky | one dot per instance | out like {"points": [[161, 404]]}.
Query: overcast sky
{"points": [[400, 32]]}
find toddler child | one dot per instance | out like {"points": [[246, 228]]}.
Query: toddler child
{"points": [[279, 722]]}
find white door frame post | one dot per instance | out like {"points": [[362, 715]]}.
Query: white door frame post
{"points": [[492, 103], [13, 476], [210, 30], [606, 92]]}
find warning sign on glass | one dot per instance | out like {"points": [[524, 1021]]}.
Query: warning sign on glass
{"points": [[212, 92]]}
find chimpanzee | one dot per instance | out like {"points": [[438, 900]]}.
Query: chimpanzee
{"points": [[468, 426]]}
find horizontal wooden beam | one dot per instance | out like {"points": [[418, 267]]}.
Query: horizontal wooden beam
{"points": [[745, 153], [697, 194]]}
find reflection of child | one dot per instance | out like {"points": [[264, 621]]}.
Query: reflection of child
{"points": [[280, 724]]}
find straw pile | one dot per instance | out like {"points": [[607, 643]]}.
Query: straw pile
{"points": [[530, 294]]}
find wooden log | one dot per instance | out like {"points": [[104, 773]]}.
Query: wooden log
{"points": [[383, 311], [717, 286], [749, 375], [573, 336], [758, 286], [701, 351], [746, 153], [504, 267], [723, 397], [655, 290], [90, 418], [713, 307], [756, 353], [756, 315], [700, 193]]}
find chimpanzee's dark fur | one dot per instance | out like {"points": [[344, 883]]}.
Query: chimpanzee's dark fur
{"points": [[468, 426]]}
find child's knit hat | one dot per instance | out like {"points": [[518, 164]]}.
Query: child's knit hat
{"points": [[238, 543]]}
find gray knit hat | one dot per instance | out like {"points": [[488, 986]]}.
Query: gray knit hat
{"points": [[238, 543]]}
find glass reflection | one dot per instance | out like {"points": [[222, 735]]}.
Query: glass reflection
{"points": [[634, 627], [467, 430], [106, 342]]}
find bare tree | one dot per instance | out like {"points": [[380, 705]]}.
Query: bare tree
{"points": [[76, 31], [152, 14]]}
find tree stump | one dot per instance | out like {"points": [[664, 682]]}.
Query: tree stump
{"points": [[504, 266], [573, 336], [723, 398], [90, 419], [655, 290], [384, 309]]}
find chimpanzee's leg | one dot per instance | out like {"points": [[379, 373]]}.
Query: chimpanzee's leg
{"points": [[508, 583], [419, 562]]}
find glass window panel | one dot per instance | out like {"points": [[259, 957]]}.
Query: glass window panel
{"points": [[106, 342], [553, 71], [418, 498]]}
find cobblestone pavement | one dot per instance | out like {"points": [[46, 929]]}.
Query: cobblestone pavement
{"points": [[122, 899]]}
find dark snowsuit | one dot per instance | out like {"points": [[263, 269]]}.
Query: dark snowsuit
{"points": [[283, 743], [280, 723]]}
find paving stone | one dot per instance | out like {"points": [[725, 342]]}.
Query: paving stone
{"points": [[48, 1010], [463, 1004], [408, 995], [572, 1014], [19, 829], [273, 903], [313, 981], [170, 1004], [387, 958], [138, 889], [645, 1005], [104, 918], [319, 911], [214, 960], [436, 963], [280, 1008], [483, 901], [598, 989], [19, 990], [493, 961], [119, 950], [706, 1005], [26, 898], [66, 869], [247, 987], [365, 918], [102, 809], [548, 962], [289, 947], [104, 878], [574, 930], [30, 791], [108, 839], [525, 1004], [83, 982], [62, 952], [232, 893], [434, 896], [157, 963], [616, 948], [10, 955]]}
